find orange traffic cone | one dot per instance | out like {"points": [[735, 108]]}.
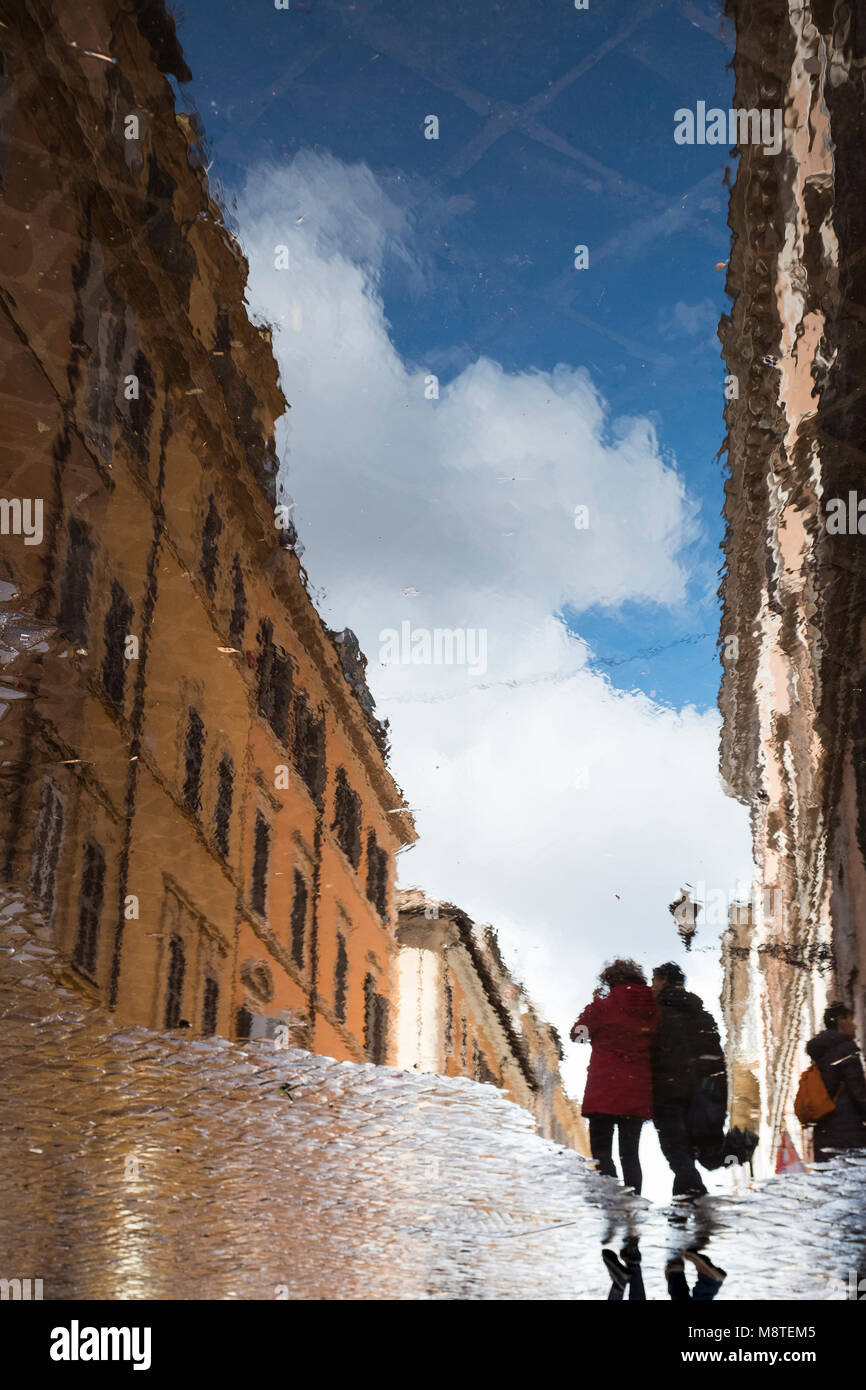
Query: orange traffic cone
{"points": [[787, 1158]]}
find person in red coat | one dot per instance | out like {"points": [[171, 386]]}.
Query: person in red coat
{"points": [[620, 1024]]}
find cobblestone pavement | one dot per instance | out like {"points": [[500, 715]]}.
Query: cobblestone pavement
{"points": [[143, 1165]]}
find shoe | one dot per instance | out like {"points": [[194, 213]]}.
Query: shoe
{"points": [[674, 1266], [618, 1272], [630, 1252], [706, 1267]]}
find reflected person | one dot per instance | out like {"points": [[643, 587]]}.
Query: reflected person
{"points": [[620, 1023], [835, 1053]]}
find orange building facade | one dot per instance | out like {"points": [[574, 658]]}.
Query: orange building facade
{"points": [[195, 786], [461, 1013]]}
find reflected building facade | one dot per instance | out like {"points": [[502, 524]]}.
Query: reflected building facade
{"points": [[793, 695], [195, 782], [462, 1013]]}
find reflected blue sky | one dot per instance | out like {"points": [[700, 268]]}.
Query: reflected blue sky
{"points": [[555, 129]]}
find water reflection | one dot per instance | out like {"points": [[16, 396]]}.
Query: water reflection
{"points": [[140, 1165]]}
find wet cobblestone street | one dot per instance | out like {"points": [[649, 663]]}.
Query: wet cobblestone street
{"points": [[142, 1165]]}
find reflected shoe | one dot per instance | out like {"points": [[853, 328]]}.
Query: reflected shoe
{"points": [[674, 1266], [706, 1267], [618, 1272], [630, 1252]]}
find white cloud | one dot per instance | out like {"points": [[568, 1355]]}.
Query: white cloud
{"points": [[690, 320], [470, 501]]}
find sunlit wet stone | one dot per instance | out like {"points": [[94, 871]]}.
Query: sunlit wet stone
{"points": [[141, 1165]]}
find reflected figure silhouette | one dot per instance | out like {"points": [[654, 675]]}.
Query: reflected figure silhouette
{"points": [[709, 1281], [625, 1272]]}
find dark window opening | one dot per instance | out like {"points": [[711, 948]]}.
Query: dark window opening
{"points": [[225, 794], [480, 1068], [46, 847], [243, 1022], [193, 757], [222, 332], [377, 874], [375, 1022], [174, 991], [75, 592], [90, 907], [102, 375], [275, 682], [347, 819], [299, 918], [261, 850], [210, 546], [5, 114], [209, 1007], [139, 412], [449, 1017], [239, 604], [118, 621], [308, 752], [341, 977]]}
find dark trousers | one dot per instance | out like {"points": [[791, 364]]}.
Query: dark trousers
{"points": [[678, 1288], [601, 1129], [671, 1121], [635, 1286]]}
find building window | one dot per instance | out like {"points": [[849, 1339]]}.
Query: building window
{"points": [[275, 682], [75, 592], [138, 413], [210, 546], [209, 1007], [261, 849], [375, 1022], [347, 819], [377, 875], [118, 621], [90, 907], [222, 332], [47, 840], [299, 918], [309, 748], [193, 756], [225, 793], [341, 977], [5, 114], [102, 374], [238, 622], [243, 1022], [174, 991]]}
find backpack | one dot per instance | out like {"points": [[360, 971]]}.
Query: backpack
{"points": [[812, 1101]]}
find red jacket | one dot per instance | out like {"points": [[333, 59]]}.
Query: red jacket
{"points": [[621, 1029]]}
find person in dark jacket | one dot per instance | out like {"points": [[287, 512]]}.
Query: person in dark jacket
{"points": [[687, 1057], [620, 1025], [837, 1057]]}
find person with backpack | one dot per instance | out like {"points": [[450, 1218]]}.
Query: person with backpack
{"points": [[832, 1092], [619, 1023], [689, 1081]]}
